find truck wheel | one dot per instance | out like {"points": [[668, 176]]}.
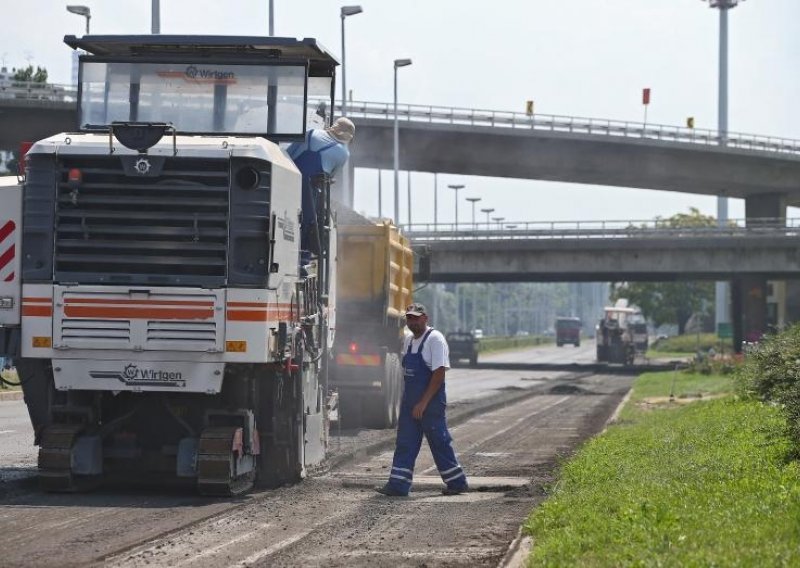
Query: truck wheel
{"points": [[473, 361], [382, 409]]}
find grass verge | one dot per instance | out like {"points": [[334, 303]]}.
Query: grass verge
{"points": [[688, 343], [702, 484]]}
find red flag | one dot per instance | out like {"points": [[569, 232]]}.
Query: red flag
{"points": [[646, 96]]}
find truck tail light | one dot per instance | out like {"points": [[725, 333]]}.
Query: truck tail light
{"points": [[74, 175]]}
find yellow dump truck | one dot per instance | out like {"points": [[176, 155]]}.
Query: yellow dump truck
{"points": [[373, 287]]}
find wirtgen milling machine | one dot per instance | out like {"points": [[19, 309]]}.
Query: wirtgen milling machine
{"points": [[167, 327]]}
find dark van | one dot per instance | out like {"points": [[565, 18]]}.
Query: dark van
{"points": [[568, 330], [462, 345]]}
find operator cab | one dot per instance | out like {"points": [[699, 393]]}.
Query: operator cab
{"points": [[275, 88]]}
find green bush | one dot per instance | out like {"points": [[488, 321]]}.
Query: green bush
{"points": [[771, 372], [687, 343]]}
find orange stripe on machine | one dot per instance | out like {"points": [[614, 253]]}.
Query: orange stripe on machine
{"points": [[37, 307], [359, 360], [260, 311]]}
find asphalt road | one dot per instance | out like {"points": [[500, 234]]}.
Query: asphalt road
{"points": [[18, 454], [333, 518]]}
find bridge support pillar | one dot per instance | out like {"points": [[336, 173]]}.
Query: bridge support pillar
{"points": [[749, 293]]}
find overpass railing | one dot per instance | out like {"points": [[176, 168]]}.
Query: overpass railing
{"points": [[658, 228], [570, 124], [33, 91]]}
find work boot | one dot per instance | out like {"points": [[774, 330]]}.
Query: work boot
{"points": [[389, 491], [455, 490]]}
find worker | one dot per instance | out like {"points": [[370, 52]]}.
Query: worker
{"points": [[322, 152], [422, 409]]}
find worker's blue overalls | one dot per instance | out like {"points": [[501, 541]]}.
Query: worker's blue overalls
{"points": [[310, 164], [433, 425]]}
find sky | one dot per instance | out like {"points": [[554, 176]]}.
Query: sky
{"points": [[582, 58]]}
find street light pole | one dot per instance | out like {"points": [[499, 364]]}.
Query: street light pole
{"points": [[155, 26], [344, 12], [435, 201], [473, 200], [397, 63], [487, 211], [455, 187], [721, 288], [271, 18], [408, 179], [498, 220], [81, 11]]}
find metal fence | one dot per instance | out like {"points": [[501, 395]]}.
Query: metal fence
{"points": [[653, 228]]}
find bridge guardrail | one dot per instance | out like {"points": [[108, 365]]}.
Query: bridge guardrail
{"points": [[766, 227], [570, 124], [502, 119], [30, 90]]}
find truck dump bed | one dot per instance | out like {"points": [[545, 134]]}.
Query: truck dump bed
{"points": [[373, 287], [375, 271]]}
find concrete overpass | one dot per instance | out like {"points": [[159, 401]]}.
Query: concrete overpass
{"points": [[765, 171], [746, 256], [769, 251], [762, 170]]}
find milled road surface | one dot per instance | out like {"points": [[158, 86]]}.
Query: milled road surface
{"points": [[334, 518]]}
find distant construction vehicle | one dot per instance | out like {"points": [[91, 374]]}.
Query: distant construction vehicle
{"points": [[373, 288], [568, 330], [615, 334]]}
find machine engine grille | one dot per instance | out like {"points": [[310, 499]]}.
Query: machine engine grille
{"points": [[114, 226]]}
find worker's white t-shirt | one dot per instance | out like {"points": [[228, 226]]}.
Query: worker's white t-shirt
{"points": [[435, 352]]}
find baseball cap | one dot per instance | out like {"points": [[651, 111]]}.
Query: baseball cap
{"points": [[416, 309]]}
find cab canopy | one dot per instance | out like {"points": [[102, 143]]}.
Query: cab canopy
{"points": [[264, 86]]}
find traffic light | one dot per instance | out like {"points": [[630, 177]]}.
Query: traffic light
{"points": [[690, 122], [529, 108]]}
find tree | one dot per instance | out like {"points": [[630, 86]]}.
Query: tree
{"points": [[671, 302], [31, 75]]}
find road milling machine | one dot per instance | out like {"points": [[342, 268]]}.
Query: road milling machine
{"points": [[163, 324]]}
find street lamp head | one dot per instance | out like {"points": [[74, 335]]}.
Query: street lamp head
{"points": [[350, 11], [456, 186], [725, 4], [401, 63], [80, 10], [487, 211], [473, 199]]}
